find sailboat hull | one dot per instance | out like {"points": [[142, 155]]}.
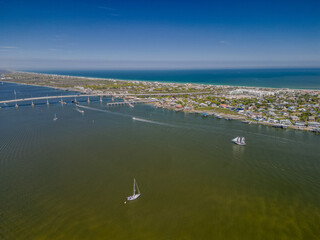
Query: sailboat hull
{"points": [[133, 197], [239, 143]]}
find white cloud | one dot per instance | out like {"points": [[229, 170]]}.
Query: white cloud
{"points": [[106, 8], [111, 11]]}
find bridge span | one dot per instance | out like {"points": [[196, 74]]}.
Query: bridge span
{"points": [[117, 95]]}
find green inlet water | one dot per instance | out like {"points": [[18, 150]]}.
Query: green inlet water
{"points": [[68, 179]]}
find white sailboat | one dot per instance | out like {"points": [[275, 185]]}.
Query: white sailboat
{"points": [[135, 195], [239, 141], [55, 117]]}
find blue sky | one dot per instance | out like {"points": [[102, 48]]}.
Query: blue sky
{"points": [[159, 34]]}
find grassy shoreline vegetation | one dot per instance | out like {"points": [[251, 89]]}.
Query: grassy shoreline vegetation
{"points": [[283, 108]]}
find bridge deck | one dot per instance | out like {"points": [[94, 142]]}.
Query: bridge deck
{"points": [[97, 95]]}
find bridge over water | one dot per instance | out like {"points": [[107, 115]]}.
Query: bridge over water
{"points": [[96, 95]]}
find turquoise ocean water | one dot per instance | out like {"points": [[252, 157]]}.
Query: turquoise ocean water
{"points": [[275, 78]]}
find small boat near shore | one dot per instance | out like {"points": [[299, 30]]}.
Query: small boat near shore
{"points": [[75, 101], [240, 141]]}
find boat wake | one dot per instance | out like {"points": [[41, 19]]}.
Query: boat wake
{"points": [[80, 111], [153, 122], [102, 110], [127, 115]]}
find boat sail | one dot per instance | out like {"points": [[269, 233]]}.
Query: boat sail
{"points": [[239, 141], [135, 195], [55, 117]]}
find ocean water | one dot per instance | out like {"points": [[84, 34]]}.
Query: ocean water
{"points": [[275, 78], [68, 179]]}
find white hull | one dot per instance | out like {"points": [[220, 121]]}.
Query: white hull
{"points": [[241, 144], [133, 197]]}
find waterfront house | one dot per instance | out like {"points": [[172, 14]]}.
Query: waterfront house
{"points": [[285, 122], [300, 124], [311, 118], [203, 105], [294, 118], [314, 124]]}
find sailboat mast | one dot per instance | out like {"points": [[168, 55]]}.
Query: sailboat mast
{"points": [[134, 186], [138, 188]]}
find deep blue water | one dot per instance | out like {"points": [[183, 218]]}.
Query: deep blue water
{"points": [[275, 78]]}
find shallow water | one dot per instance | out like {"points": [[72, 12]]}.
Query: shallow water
{"points": [[68, 179]]}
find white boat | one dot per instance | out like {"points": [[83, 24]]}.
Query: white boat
{"points": [[135, 195], [239, 141], [131, 105], [62, 102], [55, 117], [75, 101], [80, 111]]}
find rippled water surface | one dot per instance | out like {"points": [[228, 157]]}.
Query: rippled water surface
{"points": [[68, 179]]}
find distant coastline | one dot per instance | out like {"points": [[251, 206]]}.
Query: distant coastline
{"points": [[308, 78]]}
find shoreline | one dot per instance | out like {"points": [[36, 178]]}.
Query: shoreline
{"points": [[166, 103], [165, 82], [225, 117]]}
